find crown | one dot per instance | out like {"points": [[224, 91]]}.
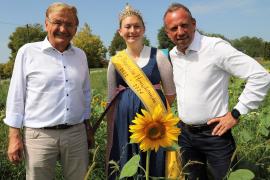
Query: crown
{"points": [[129, 11]]}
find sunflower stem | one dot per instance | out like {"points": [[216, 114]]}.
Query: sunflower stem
{"points": [[147, 164]]}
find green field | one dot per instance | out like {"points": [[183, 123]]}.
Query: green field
{"points": [[251, 134]]}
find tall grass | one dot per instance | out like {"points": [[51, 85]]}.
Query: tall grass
{"points": [[251, 134]]}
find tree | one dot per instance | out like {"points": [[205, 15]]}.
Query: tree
{"points": [[118, 43], [6, 69], [163, 40], [92, 46], [215, 35], [23, 35], [251, 46], [266, 50]]}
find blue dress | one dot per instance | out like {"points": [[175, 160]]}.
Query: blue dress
{"points": [[125, 110]]}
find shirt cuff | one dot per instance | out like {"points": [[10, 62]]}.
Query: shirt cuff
{"points": [[14, 120], [241, 108]]}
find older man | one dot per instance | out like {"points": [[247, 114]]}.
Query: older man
{"points": [[202, 67], [49, 97]]}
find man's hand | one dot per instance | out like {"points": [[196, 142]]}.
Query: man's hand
{"points": [[224, 123], [15, 146], [90, 134]]}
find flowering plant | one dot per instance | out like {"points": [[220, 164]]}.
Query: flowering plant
{"points": [[152, 131]]}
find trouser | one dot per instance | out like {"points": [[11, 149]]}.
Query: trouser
{"points": [[207, 152], [43, 147]]}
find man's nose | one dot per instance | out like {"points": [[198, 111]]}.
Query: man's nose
{"points": [[63, 28], [180, 30]]}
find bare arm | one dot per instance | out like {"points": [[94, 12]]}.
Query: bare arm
{"points": [[170, 99], [15, 146]]}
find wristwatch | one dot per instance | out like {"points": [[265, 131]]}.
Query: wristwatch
{"points": [[236, 114]]}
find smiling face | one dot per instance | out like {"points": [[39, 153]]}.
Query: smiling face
{"points": [[180, 28], [132, 30], [61, 26]]}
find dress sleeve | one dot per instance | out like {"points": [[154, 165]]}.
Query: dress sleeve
{"points": [[166, 73], [111, 81]]}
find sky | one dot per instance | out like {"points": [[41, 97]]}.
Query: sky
{"points": [[231, 18]]}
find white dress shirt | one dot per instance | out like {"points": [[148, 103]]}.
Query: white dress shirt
{"points": [[48, 87], [201, 77]]}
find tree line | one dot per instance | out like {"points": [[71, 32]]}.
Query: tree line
{"points": [[96, 51]]}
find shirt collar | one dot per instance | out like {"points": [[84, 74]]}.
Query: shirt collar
{"points": [[47, 46], [196, 43]]}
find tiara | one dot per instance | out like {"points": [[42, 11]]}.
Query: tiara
{"points": [[129, 11]]}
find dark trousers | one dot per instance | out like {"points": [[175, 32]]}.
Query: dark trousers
{"points": [[207, 151]]}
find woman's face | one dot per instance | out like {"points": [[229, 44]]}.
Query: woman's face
{"points": [[132, 29]]}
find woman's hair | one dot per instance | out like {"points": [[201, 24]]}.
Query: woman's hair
{"points": [[129, 11], [58, 6]]}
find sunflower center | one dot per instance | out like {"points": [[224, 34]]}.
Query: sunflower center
{"points": [[155, 131]]}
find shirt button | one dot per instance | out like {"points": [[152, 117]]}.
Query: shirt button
{"points": [[64, 66], [67, 109], [66, 80], [67, 94]]}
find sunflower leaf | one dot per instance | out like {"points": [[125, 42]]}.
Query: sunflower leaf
{"points": [[241, 174], [131, 167], [174, 147]]}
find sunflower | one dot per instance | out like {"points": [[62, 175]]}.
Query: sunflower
{"points": [[154, 130]]}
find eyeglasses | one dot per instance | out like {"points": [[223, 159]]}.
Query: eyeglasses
{"points": [[59, 23]]}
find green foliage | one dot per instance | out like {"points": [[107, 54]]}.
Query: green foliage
{"points": [[99, 86], [7, 170], [251, 46], [117, 44], [131, 167], [163, 40], [99, 81], [4, 84], [6, 69], [266, 54], [241, 174], [215, 35], [23, 35], [251, 134], [92, 46]]}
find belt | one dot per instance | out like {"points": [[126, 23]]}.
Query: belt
{"points": [[59, 126], [198, 128]]}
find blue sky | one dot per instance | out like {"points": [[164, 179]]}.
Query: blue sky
{"points": [[231, 18]]}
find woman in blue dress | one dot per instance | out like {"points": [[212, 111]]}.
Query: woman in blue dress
{"points": [[158, 69]]}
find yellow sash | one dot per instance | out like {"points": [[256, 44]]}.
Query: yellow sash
{"points": [[143, 88]]}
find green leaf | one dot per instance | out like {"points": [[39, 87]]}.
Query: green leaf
{"points": [[266, 122], [241, 174], [174, 147], [131, 167], [264, 131], [246, 135]]}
